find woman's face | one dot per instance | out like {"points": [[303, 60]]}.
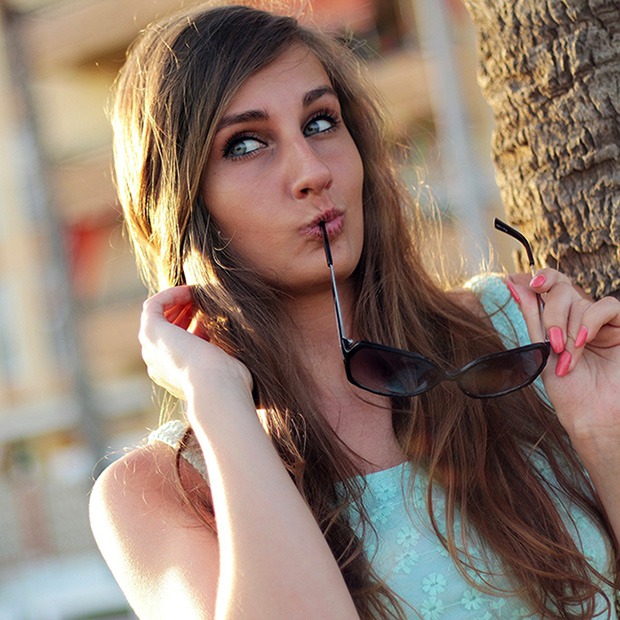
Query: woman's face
{"points": [[282, 161]]}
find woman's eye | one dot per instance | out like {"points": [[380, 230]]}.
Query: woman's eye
{"points": [[238, 147], [319, 125]]}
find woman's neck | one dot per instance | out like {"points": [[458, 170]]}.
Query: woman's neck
{"points": [[363, 421]]}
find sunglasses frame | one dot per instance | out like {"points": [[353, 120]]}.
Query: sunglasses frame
{"points": [[350, 348]]}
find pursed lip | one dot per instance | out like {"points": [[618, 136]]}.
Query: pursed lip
{"points": [[334, 222]]}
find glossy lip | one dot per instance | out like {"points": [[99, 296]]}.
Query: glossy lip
{"points": [[334, 222]]}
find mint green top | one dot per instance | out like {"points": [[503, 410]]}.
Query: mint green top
{"points": [[404, 549]]}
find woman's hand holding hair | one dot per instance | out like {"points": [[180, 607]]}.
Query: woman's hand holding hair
{"points": [[582, 377], [177, 352]]}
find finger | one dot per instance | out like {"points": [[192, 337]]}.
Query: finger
{"points": [[559, 300], [163, 306], [546, 278], [564, 307], [168, 298], [571, 354], [600, 324], [180, 315], [560, 319], [596, 323], [559, 295], [529, 303]]}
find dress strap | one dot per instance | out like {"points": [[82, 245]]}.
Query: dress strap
{"points": [[172, 433]]}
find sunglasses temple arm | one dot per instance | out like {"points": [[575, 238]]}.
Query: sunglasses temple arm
{"points": [[515, 234], [330, 264]]}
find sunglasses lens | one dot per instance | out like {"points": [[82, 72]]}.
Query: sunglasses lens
{"points": [[391, 373], [503, 372]]}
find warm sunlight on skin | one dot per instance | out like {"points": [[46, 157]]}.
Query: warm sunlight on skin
{"points": [[281, 161], [173, 601]]}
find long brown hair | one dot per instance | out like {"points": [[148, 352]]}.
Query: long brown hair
{"points": [[179, 78]]}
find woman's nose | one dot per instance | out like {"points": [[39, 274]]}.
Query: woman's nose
{"points": [[309, 173]]}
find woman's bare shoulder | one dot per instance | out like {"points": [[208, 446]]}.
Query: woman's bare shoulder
{"points": [[151, 539], [143, 480]]}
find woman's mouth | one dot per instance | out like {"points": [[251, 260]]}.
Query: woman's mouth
{"points": [[333, 221]]}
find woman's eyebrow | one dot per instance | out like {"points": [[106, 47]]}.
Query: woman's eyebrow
{"points": [[242, 117], [316, 93], [261, 115]]}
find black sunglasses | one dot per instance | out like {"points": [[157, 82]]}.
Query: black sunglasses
{"points": [[392, 372]]}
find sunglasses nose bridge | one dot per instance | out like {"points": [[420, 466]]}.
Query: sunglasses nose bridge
{"points": [[454, 374], [459, 376]]}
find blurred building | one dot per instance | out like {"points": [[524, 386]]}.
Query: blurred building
{"points": [[73, 391]]}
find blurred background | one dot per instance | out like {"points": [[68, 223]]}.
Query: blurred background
{"points": [[73, 391]]}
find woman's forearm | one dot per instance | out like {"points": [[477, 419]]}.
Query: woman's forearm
{"points": [[274, 560]]}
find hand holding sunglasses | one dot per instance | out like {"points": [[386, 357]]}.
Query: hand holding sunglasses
{"points": [[392, 372]]}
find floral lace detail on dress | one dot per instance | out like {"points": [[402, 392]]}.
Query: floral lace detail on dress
{"points": [[407, 553]]}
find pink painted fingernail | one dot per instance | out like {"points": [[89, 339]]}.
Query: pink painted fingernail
{"points": [[513, 291], [538, 280], [563, 364], [582, 336], [556, 338]]}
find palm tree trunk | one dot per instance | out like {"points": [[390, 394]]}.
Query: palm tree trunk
{"points": [[550, 70]]}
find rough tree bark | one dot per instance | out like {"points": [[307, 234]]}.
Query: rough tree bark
{"points": [[550, 70]]}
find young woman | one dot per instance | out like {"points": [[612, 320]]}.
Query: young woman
{"points": [[246, 146]]}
